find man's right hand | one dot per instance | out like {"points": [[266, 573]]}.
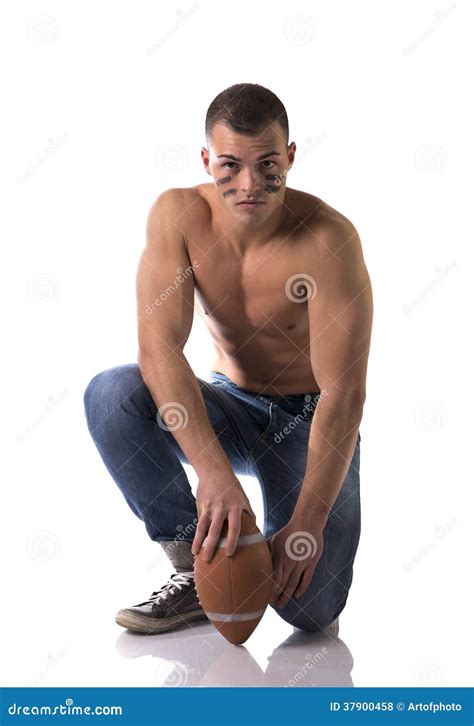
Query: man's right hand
{"points": [[219, 497]]}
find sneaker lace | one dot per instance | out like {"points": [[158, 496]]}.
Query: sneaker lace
{"points": [[177, 581]]}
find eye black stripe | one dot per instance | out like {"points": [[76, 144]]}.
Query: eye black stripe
{"points": [[229, 192], [224, 180]]}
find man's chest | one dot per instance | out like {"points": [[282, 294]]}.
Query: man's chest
{"points": [[264, 291]]}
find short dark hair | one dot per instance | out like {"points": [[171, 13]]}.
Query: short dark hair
{"points": [[247, 108]]}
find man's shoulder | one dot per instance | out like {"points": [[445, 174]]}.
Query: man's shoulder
{"points": [[181, 200], [314, 211], [183, 207], [325, 228]]}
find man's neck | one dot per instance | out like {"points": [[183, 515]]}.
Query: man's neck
{"points": [[244, 236]]}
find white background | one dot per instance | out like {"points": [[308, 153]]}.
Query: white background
{"points": [[103, 108]]}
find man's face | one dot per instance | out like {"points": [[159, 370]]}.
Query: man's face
{"points": [[249, 171]]}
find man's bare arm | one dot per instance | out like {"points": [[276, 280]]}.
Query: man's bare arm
{"points": [[165, 307], [340, 318]]}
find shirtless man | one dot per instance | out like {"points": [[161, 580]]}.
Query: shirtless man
{"points": [[280, 280]]}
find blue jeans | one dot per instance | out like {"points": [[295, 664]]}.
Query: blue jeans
{"points": [[262, 436]]}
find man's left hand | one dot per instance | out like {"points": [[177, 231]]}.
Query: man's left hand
{"points": [[296, 550]]}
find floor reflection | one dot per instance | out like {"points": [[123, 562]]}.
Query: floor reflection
{"points": [[200, 656]]}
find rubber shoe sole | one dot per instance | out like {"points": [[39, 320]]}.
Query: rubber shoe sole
{"points": [[146, 624]]}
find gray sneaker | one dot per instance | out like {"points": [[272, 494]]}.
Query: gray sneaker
{"points": [[173, 605]]}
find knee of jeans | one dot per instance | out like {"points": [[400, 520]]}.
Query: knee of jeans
{"points": [[89, 394], [105, 385], [94, 388], [312, 618]]}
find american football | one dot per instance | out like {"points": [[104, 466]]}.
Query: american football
{"points": [[235, 591]]}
